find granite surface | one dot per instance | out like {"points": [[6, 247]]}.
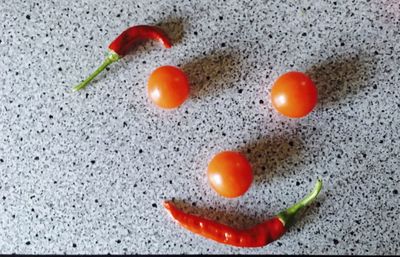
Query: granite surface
{"points": [[86, 172]]}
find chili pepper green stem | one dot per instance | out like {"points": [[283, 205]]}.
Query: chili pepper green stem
{"points": [[112, 57], [287, 216]]}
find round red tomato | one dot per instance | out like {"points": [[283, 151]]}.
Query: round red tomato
{"points": [[230, 174], [168, 87], [294, 94]]}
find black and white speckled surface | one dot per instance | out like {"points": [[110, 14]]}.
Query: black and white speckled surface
{"points": [[86, 172]]}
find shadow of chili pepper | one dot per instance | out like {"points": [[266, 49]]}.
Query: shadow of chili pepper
{"points": [[174, 27], [340, 77], [272, 156], [211, 73], [309, 214]]}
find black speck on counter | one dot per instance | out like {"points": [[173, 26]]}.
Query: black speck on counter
{"points": [[74, 245], [154, 205], [395, 192], [28, 243], [335, 241]]}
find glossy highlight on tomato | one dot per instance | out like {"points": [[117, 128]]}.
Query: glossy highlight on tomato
{"points": [[294, 94], [168, 87], [230, 174]]}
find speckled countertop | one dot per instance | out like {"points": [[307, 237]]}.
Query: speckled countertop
{"points": [[86, 172]]}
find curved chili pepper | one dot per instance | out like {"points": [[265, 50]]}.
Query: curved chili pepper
{"points": [[257, 236], [120, 46]]}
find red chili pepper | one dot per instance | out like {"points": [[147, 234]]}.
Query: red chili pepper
{"points": [[257, 236], [124, 43]]}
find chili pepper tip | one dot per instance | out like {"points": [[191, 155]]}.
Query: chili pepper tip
{"points": [[167, 204]]}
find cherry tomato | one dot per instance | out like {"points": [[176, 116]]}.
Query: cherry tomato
{"points": [[168, 87], [230, 174], [294, 94]]}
